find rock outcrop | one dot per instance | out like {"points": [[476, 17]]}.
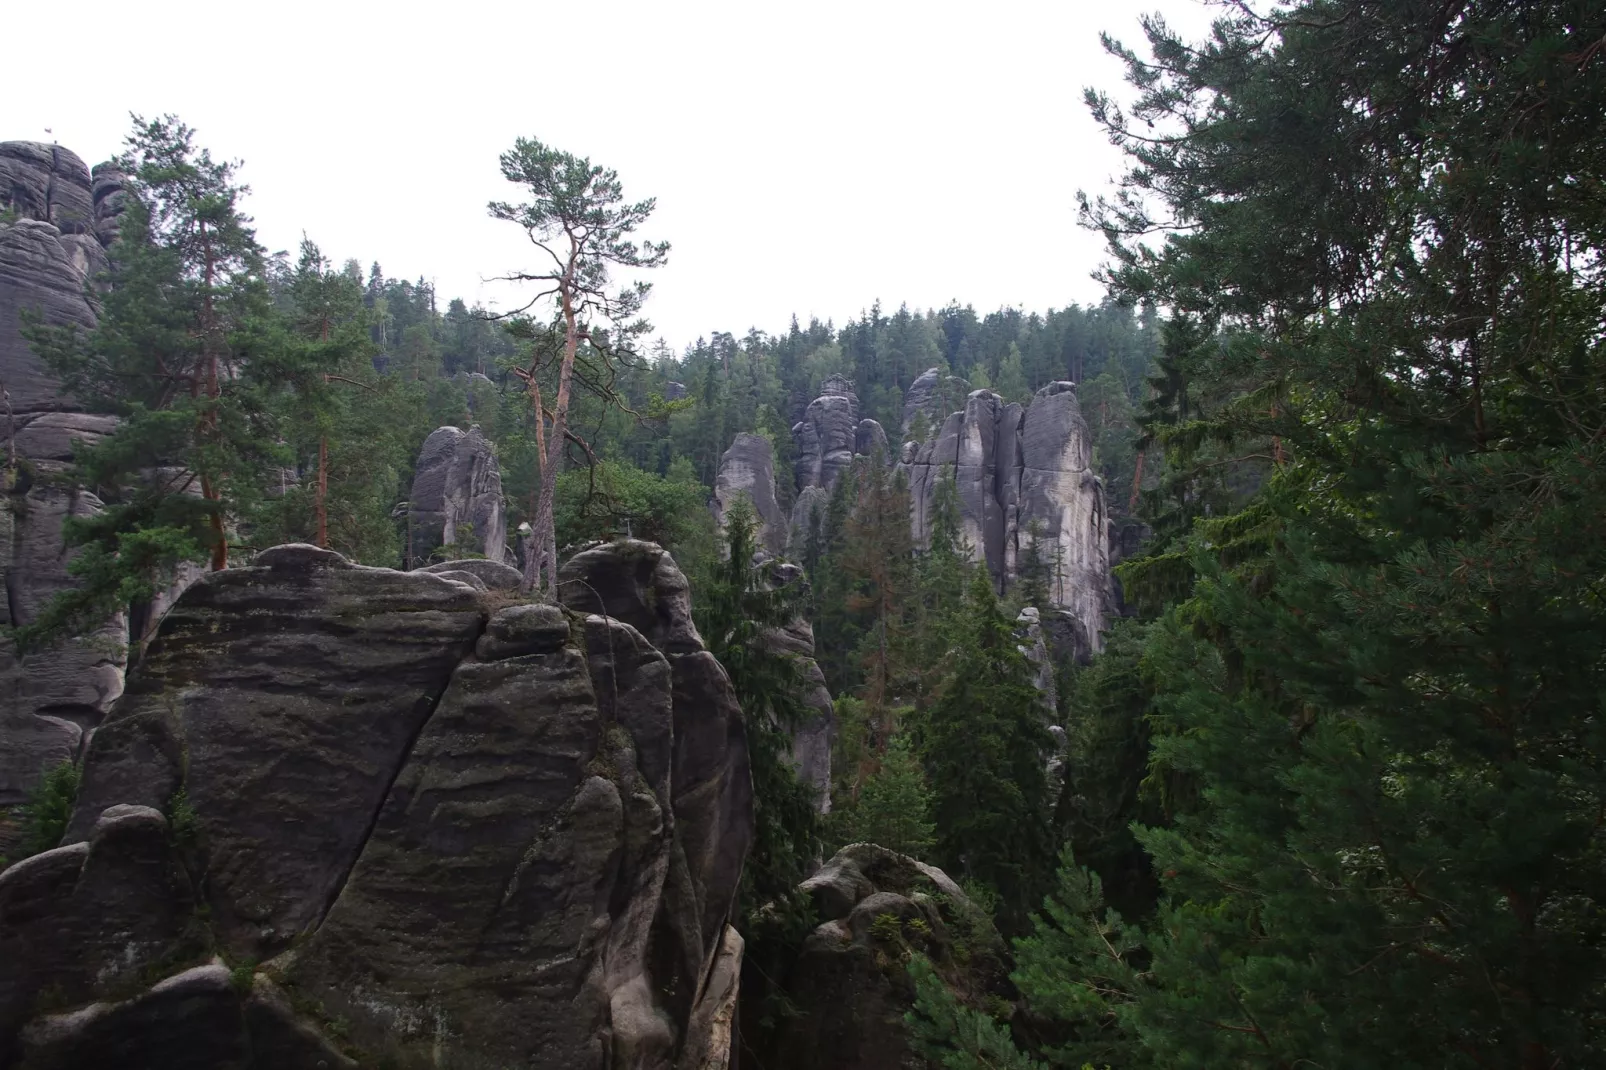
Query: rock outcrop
{"points": [[454, 831], [825, 438], [49, 258], [813, 739], [1026, 486], [848, 988], [1029, 635], [831, 434], [747, 470], [457, 498]]}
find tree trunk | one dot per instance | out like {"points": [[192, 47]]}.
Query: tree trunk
{"points": [[323, 491], [532, 544], [544, 530]]}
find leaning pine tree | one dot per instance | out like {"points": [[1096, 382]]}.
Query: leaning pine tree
{"points": [[578, 219]]}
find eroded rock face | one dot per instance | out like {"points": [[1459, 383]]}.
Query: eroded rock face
{"points": [[1024, 476], [812, 740], [457, 498], [49, 259], [747, 469], [847, 987], [826, 436], [474, 833]]}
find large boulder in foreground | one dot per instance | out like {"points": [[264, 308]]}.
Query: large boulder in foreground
{"points": [[452, 832], [847, 986]]}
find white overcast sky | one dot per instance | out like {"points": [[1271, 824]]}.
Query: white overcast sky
{"points": [[807, 158]]}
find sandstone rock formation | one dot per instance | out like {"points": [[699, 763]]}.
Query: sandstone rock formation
{"points": [[825, 443], [1025, 479], [748, 469], [813, 739], [826, 436], [847, 987], [457, 498], [49, 258], [1029, 635], [454, 831]]}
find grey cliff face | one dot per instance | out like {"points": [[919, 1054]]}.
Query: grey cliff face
{"points": [[49, 260], [1025, 480], [748, 469], [471, 833], [457, 498]]}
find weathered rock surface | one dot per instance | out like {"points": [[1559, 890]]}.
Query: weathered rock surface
{"points": [[48, 183], [747, 470], [457, 498], [294, 689], [493, 574], [825, 438], [48, 259], [848, 987], [473, 833], [810, 500], [1029, 636], [812, 740], [1024, 476]]}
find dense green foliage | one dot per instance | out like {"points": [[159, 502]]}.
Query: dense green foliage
{"points": [[1373, 684], [43, 818], [985, 745], [739, 606]]}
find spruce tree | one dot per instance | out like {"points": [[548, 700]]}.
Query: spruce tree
{"points": [[942, 574], [1385, 677], [985, 747], [736, 609], [894, 805]]}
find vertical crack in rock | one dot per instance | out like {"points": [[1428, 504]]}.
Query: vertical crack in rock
{"points": [[1026, 486]]}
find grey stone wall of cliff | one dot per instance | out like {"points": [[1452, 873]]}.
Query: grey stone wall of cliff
{"points": [[456, 500], [49, 258], [1024, 475], [452, 827], [748, 469]]}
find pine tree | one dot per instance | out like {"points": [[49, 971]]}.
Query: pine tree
{"points": [[877, 559], [579, 220], [942, 574], [188, 355], [985, 748], [1012, 384], [894, 805], [736, 610], [1385, 676]]}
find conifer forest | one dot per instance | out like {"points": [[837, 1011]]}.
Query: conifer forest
{"points": [[1207, 676]]}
